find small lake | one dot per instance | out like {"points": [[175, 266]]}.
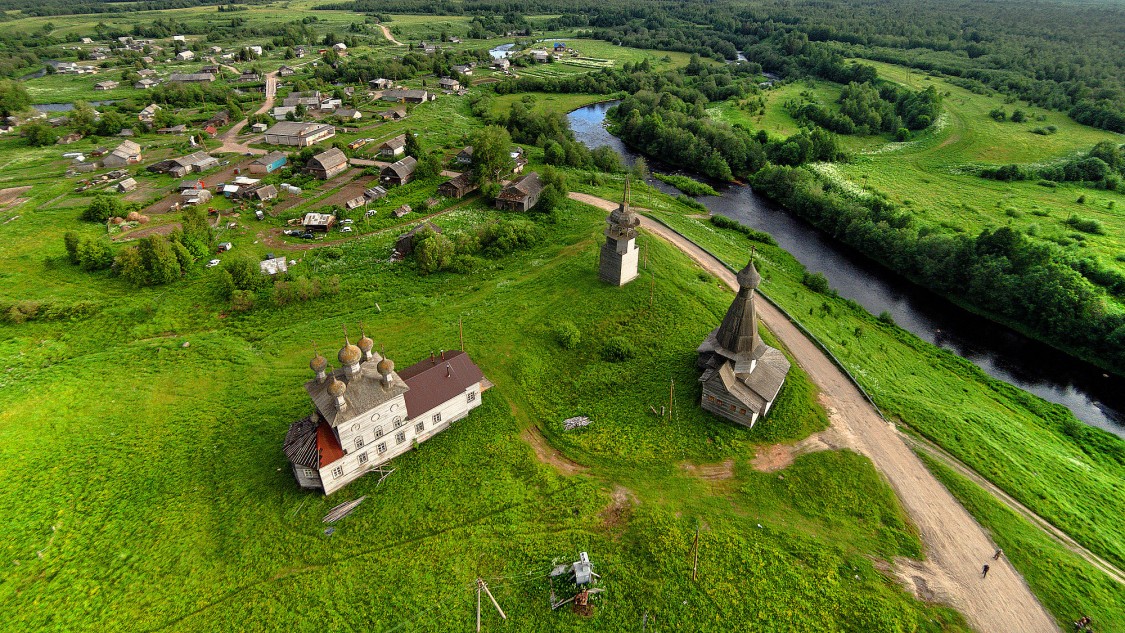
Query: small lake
{"points": [[1094, 397]]}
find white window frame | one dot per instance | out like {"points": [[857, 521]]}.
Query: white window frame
{"points": [[420, 427], [400, 437], [437, 418], [363, 458], [337, 472], [471, 396], [382, 447], [358, 442]]}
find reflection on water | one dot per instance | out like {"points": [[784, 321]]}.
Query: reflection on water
{"points": [[1094, 397]]}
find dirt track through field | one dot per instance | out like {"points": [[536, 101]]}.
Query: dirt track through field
{"points": [[956, 546], [387, 34]]}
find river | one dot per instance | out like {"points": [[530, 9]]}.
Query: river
{"points": [[1092, 395]]}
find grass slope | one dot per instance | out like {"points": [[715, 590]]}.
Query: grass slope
{"points": [[161, 499]]}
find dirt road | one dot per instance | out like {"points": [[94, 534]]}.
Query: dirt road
{"points": [[956, 546], [387, 34], [229, 138]]}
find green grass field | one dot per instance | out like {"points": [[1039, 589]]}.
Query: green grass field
{"points": [[1009, 436], [165, 501], [776, 118]]}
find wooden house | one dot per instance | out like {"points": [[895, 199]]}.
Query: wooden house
{"points": [[465, 156], [393, 147], [521, 194], [106, 85], [269, 163], [448, 83], [327, 164], [127, 153], [319, 222], [355, 203], [458, 187], [129, 184], [401, 211], [394, 114], [399, 173]]}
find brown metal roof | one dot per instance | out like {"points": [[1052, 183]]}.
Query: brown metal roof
{"points": [[437, 380]]}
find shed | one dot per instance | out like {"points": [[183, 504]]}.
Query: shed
{"points": [[268, 163], [355, 202], [375, 193], [195, 196], [318, 222], [258, 128], [405, 243], [401, 211], [394, 114], [129, 184], [347, 113]]}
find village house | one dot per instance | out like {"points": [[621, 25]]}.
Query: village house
{"points": [[67, 139], [407, 96], [212, 69], [404, 245], [192, 183], [298, 134], [146, 72], [619, 256], [394, 114], [380, 83], [349, 114], [393, 147], [268, 163], [458, 187], [148, 113], [215, 50], [258, 193], [447, 83], [463, 70], [741, 375], [146, 84], [86, 40], [185, 56], [180, 167], [219, 119], [521, 194], [319, 222], [340, 48], [286, 71], [283, 112], [541, 57], [129, 184], [399, 173], [259, 128], [465, 156], [127, 153], [327, 164], [256, 50], [190, 78], [365, 413], [175, 129], [249, 76], [330, 104], [106, 85], [501, 64]]}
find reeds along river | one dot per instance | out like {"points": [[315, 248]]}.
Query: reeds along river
{"points": [[1095, 397]]}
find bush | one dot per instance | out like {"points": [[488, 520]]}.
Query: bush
{"points": [[618, 349], [724, 222], [103, 207], [567, 334], [816, 282], [690, 186], [886, 318], [1086, 225], [70, 242]]}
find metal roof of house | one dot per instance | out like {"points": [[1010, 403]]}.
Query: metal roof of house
{"points": [[402, 168], [269, 159], [329, 159], [436, 381]]}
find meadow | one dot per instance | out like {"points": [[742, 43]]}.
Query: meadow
{"points": [[167, 504], [1035, 451]]}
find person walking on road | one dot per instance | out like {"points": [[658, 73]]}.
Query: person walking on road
{"points": [[998, 554], [984, 572]]}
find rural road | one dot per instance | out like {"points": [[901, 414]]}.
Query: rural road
{"points": [[387, 34], [956, 546], [230, 137]]}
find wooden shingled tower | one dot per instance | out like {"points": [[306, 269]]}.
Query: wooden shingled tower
{"points": [[620, 255]]}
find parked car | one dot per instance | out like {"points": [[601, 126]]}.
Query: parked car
{"points": [[346, 229], [212, 263], [307, 236], [348, 221]]}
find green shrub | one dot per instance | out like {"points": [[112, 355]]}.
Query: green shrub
{"points": [[816, 282], [1086, 225], [690, 186], [567, 334], [618, 349], [724, 222], [886, 318]]}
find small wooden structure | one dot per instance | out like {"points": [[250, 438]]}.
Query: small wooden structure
{"points": [[405, 243], [522, 194], [400, 172], [458, 187]]}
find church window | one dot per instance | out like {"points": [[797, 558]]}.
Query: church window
{"points": [[359, 442], [398, 422], [378, 433], [471, 396], [382, 447], [309, 472], [742, 411], [400, 437], [355, 427], [437, 418], [363, 458], [418, 428], [732, 407], [337, 472]]}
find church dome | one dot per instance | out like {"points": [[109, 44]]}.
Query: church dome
{"points": [[365, 344], [318, 363], [386, 366], [337, 387], [349, 355]]}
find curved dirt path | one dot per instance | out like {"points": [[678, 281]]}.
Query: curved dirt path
{"points": [[387, 34], [956, 545], [229, 138]]}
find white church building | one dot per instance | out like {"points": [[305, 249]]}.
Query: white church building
{"points": [[366, 413]]}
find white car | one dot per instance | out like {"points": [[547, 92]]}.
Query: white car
{"points": [[212, 263], [348, 221], [346, 229]]}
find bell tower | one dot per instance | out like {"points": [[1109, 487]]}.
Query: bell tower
{"points": [[619, 254]]}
